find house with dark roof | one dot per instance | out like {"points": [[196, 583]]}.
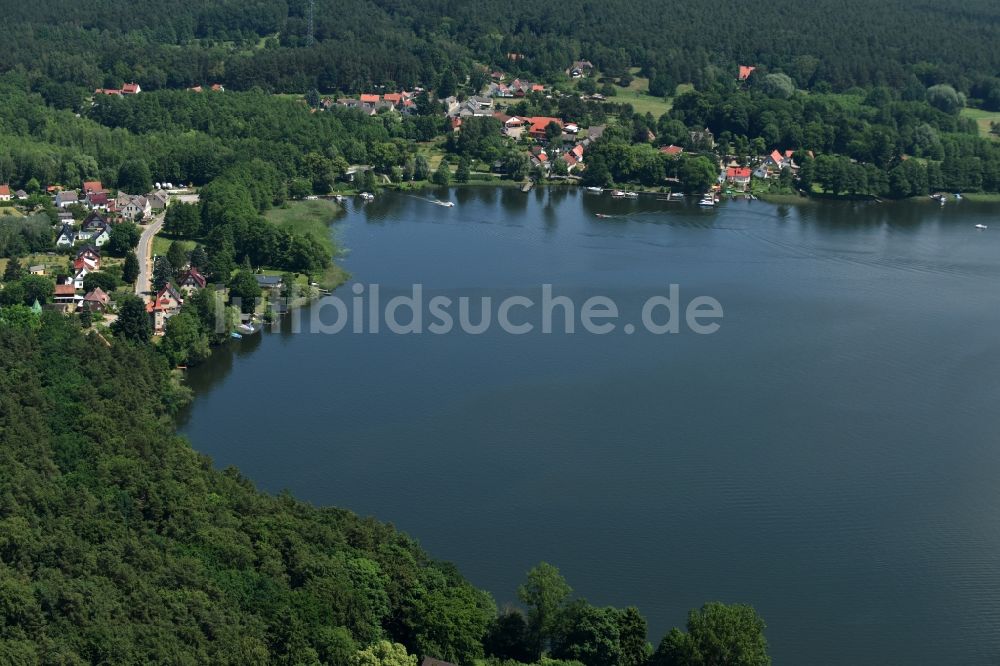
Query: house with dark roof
{"points": [[268, 281], [193, 280], [97, 300], [66, 236]]}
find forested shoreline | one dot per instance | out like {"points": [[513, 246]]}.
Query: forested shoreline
{"points": [[120, 544]]}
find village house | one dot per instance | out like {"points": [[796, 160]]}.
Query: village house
{"points": [[164, 305], [92, 187], [4, 192], [77, 279], [66, 198], [738, 177], [579, 69], [136, 207], [158, 200], [538, 124], [96, 301], [65, 294], [21, 195], [131, 89], [98, 200], [37, 269], [66, 236], [745, 72], [672, 150], [269, 281], [88, 257], [192, 281]]}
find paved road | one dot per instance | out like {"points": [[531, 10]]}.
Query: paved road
{"points": [[144, 253]]}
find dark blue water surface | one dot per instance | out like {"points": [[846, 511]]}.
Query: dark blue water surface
{"points": [[830, 455]]}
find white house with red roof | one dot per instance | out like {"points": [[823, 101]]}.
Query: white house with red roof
{"points": [[5, 192], [738, 177]]}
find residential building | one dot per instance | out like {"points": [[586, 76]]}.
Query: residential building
{"points": [[96, 301], [164, 305], [193, 280], [738, 177], [66, 198], [66, 236], [5, 193]]}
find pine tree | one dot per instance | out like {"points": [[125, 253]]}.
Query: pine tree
{"points": [[130, 270], [13, 271]]}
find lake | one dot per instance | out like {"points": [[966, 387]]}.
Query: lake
{"points": [[829, 455]]}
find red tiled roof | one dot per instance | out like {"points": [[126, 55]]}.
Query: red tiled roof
{"points": [[746, 71], [92, 186], [539, 123], [738, 172], [671, 150], [369, 99], [64, 290], [395, 98], [130, 88], [4, 190]]}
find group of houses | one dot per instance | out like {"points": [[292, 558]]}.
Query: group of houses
{"points": [[739, 176], [68, 294], [516, 89], [167, 301], [104, 209], [372, 103], [215, 87], [127, 89]]}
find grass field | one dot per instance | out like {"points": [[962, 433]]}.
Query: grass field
{"points": [[637, 94], [307, 217], [161, 243], [983, 120]]}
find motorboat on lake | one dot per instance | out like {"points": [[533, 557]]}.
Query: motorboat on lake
{"points": [[595, 190], [981, 226], [367, 196]]}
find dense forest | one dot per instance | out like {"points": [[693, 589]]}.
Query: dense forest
{"points": [[359, 43]]}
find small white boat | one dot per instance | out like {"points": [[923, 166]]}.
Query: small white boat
{"points": [[958, 196], [677, 195], [981, 226], [632, 195], [235, 336], [246, 329], [618, 194], [707, 201], [446, 204], [595, 190], [367, 196]]}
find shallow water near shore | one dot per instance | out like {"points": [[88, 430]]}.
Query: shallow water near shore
{"points": [[829, 456]]}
